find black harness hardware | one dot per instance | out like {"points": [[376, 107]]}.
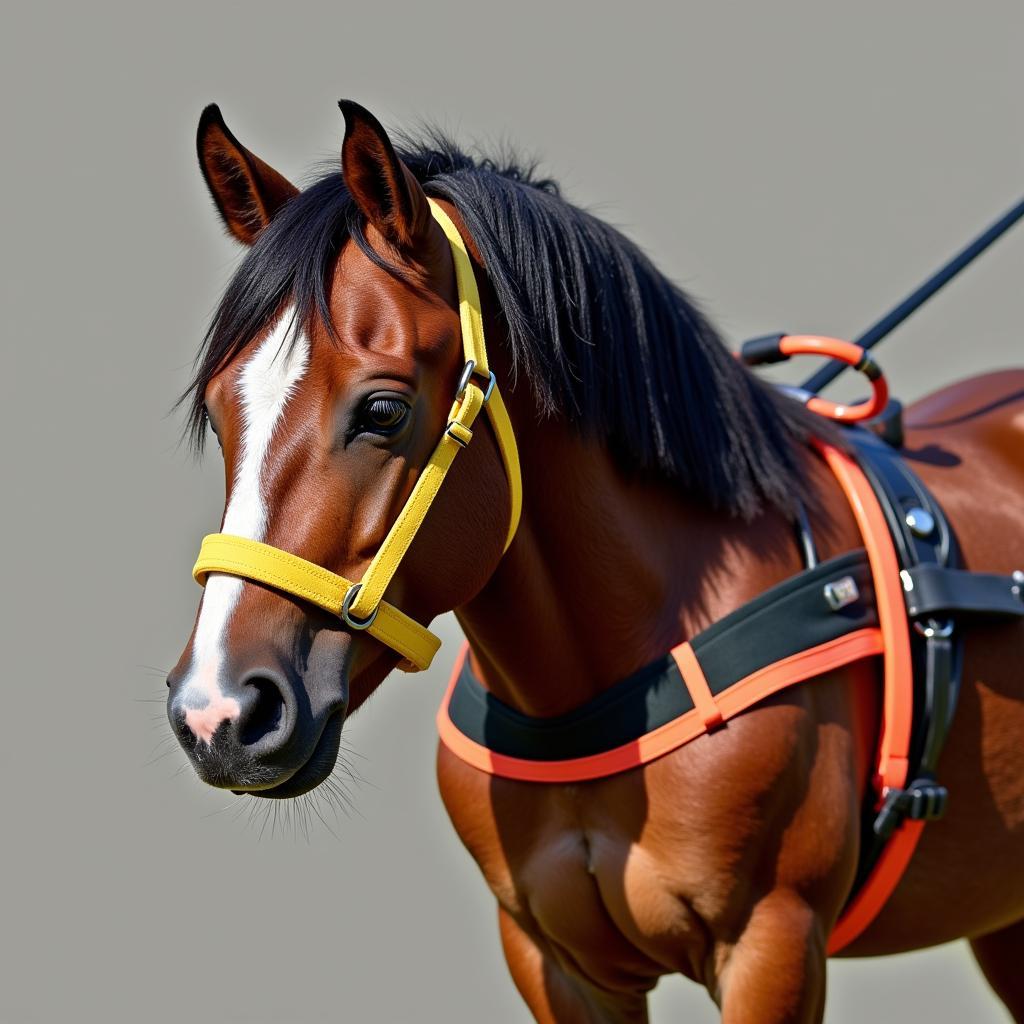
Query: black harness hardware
{"points": [[932, 590], [923, 800]]}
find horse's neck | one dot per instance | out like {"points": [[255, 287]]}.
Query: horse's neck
{"points": [[606, 574]]}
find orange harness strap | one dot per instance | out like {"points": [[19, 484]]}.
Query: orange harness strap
{"points": [[898, 698], [704, 702]]}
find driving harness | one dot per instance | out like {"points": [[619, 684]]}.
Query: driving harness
{"points": [[904, 596]]}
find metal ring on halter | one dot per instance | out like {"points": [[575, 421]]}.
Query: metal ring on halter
{"points": [[467, 375], [490, 387], [348, 602]]}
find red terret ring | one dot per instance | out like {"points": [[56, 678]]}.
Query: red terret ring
{"points": [[779, 347]]}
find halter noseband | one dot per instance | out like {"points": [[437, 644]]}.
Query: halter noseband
{"points": [[361, 605]]}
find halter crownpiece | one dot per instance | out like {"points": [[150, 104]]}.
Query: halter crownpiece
{"points": [[361, 605]]}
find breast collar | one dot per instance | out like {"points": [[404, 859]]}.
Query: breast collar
{"points": [[833, 614]]}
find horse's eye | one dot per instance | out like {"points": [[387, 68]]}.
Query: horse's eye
{"points": [[383, 414]]}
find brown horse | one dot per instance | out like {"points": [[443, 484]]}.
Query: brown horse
{"points": [[658, 478]]}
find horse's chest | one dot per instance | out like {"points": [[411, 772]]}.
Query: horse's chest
{"points": [[579, 876], [614, 905]]}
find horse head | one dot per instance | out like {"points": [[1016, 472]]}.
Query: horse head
{"points": [[327, 377]]}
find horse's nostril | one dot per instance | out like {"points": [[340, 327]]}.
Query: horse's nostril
{"points": [[263, 710]]}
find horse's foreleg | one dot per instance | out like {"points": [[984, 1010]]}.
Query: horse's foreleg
{"points": [[1001, 957], [775, 972], [554, 997]]}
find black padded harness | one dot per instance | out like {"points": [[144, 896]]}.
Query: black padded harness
{"points": [[791, 617]]}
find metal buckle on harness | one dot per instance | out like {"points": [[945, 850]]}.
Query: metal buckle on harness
{"points": [[468, 372], [842, 592], [934, 628], [923, 800], [931, 628]]}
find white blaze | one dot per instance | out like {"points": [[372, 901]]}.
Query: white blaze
{"points": [[264, 386]]}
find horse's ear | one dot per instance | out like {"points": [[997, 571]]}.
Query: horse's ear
{"points": [[384, 189], [246, 190]]}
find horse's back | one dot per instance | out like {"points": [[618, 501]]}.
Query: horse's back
{"points": [[967, 443], [986, 409]]}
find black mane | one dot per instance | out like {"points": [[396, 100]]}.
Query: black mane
{"points": [[601, 335]]}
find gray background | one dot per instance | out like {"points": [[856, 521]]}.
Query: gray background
{"points": [[795, 165]]}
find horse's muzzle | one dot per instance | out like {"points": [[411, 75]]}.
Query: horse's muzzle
{"points": [[252, 736]]}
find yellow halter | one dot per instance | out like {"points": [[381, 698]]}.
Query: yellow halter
{"points": [[361, 605]]}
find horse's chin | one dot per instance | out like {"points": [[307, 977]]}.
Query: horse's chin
{"points": [[315, 770]]}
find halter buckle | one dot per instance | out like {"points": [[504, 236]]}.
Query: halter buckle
{"points": [[468, 372], [346, 616]]}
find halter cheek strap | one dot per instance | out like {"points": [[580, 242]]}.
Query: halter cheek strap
{"points": [[361, 605]]}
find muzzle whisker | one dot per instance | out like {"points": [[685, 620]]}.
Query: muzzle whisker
{"points": [[332, 799], [344, 796], [263, 827], [219, 810], [253, 807], [303, 810], [346, 774], [158, 757], [243, 806], [342, 766], [349, 749], [313, 798]]}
